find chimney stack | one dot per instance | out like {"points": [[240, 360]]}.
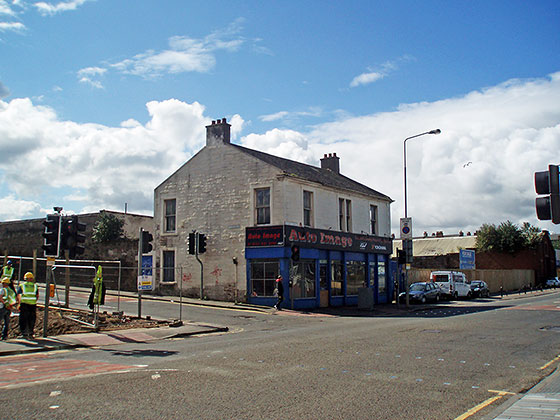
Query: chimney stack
{"points": [[219, 132], [332, 162]]}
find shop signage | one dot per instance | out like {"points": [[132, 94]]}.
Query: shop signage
{"points": [[264, 236], [317, 238]]}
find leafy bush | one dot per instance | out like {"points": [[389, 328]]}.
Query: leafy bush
{"points": [[108, 228]]}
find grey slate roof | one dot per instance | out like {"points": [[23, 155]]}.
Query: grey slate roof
{"points": [[321, 176]]}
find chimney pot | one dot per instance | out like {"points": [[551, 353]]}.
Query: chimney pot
{"points": [[219, 132], [331, 161]]}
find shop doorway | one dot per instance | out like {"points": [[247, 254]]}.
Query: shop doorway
{"points": [[324, 286]]}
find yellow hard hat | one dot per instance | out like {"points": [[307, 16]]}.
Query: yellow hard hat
{"points": [[29, 276], [5, 280]]}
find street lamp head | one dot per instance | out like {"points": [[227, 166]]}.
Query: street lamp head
{"points": [[436, 131]]}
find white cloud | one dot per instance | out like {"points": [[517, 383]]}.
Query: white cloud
{"points": [[108, 165], [289, 144], [14, 209], [11, 26], [6, 9], [46, 8], [366, 78], [372, 76], [87, 75], [184, 54], [508, 132], [291, 115]]}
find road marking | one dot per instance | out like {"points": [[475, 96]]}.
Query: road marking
{"points": [[478, 407], [549, 363], [502, 393], [484, 404]]}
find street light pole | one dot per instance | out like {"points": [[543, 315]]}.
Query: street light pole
{"points": [[436, 131]]}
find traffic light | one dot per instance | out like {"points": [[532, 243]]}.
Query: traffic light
{"points": [[201, 243], [401, 256], [147, 237], [192, 243], [295, 253], [547, 182], [71, 236], [51, 235]]}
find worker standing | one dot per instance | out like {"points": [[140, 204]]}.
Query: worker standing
{"points": [[28, 294], [97, 295], [8, 271], [7, 302]]}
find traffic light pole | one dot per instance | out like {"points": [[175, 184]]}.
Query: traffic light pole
{"points": [[201, 267], [139, 272]]}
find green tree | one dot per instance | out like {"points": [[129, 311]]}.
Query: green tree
{"points": [[507, 237], [108, 228], [487, 238], [531, 233]]}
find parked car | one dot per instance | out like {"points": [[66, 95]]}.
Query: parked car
{"points": [[553, 282], [422, 292], [453, 284], [479, 288]]}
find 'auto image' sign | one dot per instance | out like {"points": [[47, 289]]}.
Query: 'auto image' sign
{"points": [[317, 238]]}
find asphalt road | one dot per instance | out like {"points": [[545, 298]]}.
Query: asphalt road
{"points": [[421, 366]]}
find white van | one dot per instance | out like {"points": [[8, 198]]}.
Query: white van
{"points": [[453, 284]]}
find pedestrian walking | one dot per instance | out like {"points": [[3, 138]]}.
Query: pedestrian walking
{"points": [[7, 302], [279, 293], [27, 293]]}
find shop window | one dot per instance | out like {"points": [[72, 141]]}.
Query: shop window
{"points": [[355, 276], [168, 266], [170, 215], [262, 206], [308, 208], [302, 275], [263, 277], [336, 278]]}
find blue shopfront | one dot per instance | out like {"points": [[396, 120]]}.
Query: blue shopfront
{"points": [[320, 268]]}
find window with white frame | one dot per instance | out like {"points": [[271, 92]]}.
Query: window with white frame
{"points": [[373, 219], [168, 266], [345, 215], [308, 208], [262, 206], [170, 207], [348, 216]]}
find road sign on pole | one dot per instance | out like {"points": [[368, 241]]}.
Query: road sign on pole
{"points": [[406, 228]]}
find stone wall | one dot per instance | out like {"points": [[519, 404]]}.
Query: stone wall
{"points": [[23, 238]]}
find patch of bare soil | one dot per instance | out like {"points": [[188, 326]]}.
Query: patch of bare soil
{"points": [[66, 321]]}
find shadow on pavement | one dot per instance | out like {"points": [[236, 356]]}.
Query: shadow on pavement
{"points": [[142, 353]]}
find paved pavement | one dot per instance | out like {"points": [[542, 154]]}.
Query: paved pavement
{"points": [[540, 402]]}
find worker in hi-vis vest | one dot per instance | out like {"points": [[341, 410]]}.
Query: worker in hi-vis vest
{"points": [[97, 295], [8, 271], [28, 294], [7, 302]]}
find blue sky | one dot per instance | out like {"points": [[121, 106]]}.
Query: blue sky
{"points": [[101, 100]]}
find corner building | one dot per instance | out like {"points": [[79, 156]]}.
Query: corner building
{"points": [[327, 235]]}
